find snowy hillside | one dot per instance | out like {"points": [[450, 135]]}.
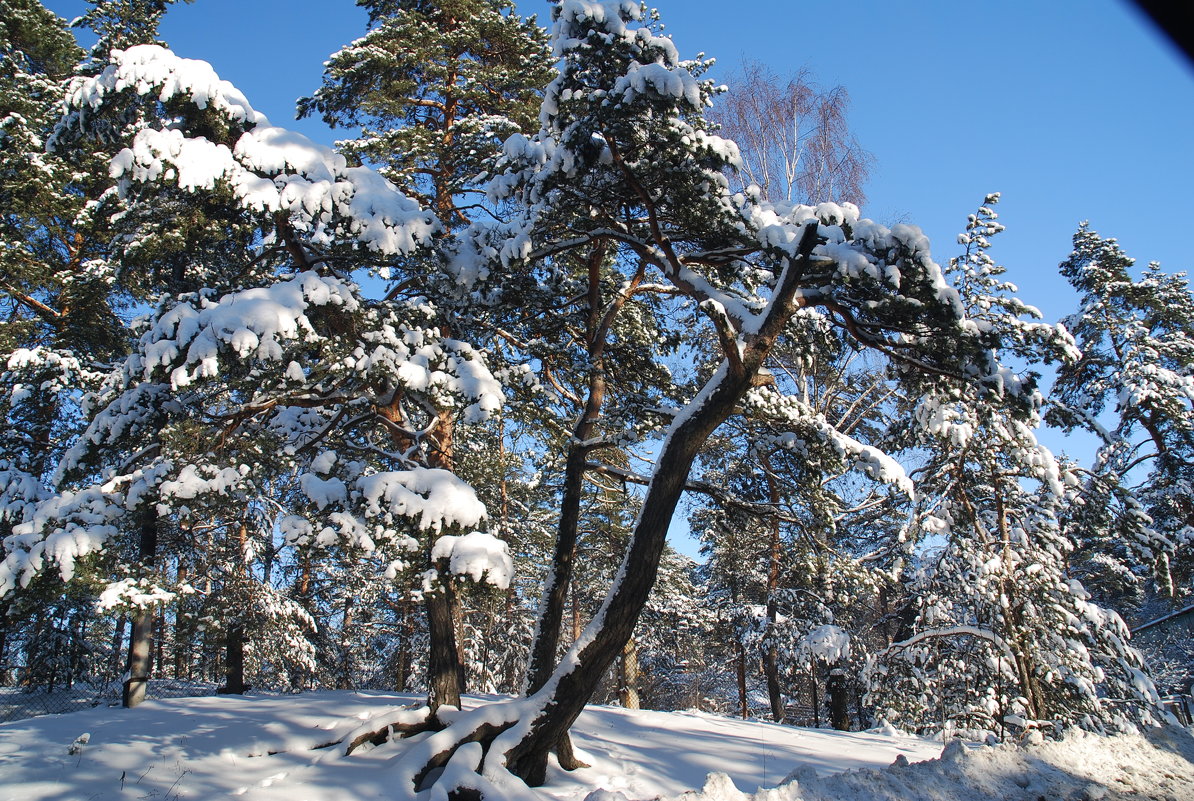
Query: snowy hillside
{"points": [[268, 747]]}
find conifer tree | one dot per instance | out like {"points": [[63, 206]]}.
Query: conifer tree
{"points": [[434, 87], [625, 157], [1136, 334], [1004, 634]]}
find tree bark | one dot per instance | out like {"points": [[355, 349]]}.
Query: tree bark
{"points": [[743, 705], [182, 668], [547, 632], [812, 675], [771, 655], [444, 681], [839, 699], [234, 660], [615, 623], [445, 670], [576, 678], [345, 679], [141, 639], [628, 676]]}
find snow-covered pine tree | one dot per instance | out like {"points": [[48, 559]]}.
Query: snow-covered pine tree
{"points": [[277, 363], [1136, 334], [625, 157], [435, 87], [1003, 633], [61, 319], [800, 471]]}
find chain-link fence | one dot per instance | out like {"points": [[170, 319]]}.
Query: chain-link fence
{"points": [[20, 699]]}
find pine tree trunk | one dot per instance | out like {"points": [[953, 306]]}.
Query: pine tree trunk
{"points": [[445, 668], [159, 643], [575, 680], [839, 700], [771, 655], [743, 704], [628, 676], [181, 665], [406, 629], [812, 675], [4, 627], [234, 660], [443, 664], [547, 633], [141, 639]]}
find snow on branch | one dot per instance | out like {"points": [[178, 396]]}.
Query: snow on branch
{"points": [[152, 69], [190, 338], [478, 555], [268, 169], [435, 499], [60, 530]]}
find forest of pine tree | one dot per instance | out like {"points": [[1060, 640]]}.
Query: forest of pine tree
{"points": [[426, 411]]}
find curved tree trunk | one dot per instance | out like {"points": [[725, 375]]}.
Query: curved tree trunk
{"points": [[575, 681], [771, 655], [605, 637], [553, 709]]}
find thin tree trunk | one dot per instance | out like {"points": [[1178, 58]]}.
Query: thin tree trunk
{"points": [[771, 655], [345, 678], [547, 632], [406, 627], [141, 640], [4, 625], [743, 705], [812, 675], [181, 664], [159, 643], [234, 640]]}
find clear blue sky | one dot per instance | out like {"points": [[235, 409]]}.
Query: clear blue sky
{"points": [[1072, 109]]}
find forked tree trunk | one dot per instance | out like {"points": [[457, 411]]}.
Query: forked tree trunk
{"points": [[141, 640], [577, 678], [614, 624]]}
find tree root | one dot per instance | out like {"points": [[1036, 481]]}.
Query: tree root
{"points": [[403, 730], [484, 734]]}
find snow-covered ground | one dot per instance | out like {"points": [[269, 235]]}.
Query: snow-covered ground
{"points": [[264, 748]]}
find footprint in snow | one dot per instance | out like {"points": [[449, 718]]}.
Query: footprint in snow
{"points": [[266, 782]]}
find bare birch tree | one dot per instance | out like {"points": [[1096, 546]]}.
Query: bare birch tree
{"points": [[794, 137]]}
